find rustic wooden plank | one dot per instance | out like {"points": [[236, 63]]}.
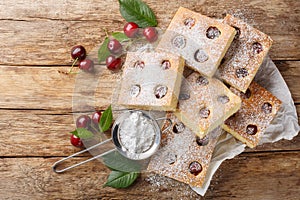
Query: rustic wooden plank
{"points": [[92, 9], [46, 88], [46, 42], [32, 133], [291, 74], [44, 36], [43, 133], [35, 88], [42, 33], [276, 175], [255, 176]]}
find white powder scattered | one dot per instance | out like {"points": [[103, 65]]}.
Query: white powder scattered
{"points": [[137, 133], [159, 184]]}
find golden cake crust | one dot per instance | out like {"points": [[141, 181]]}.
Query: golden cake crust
{"points": [[205, 103], [245, 55], [151, 81], [200, 40], [179, 149], [259, 108]]}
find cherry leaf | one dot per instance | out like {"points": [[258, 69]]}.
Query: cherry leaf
{"points": [[138, 12], [75, 133], [82, 133], [103, 51], [117, 179], [121, 37], [106, 119]]}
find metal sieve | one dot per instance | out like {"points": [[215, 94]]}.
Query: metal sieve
{"points": [[115, 143]]}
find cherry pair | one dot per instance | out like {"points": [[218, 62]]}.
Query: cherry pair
{"points": [[84, 121], [78, 53], [131, 30]]}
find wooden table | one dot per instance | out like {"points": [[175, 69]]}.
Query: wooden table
{"points": [[36, 101]]}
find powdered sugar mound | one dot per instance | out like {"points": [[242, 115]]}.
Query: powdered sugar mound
{"points": [[137, 133]]}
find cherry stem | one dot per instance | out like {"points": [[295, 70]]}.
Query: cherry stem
{"points": [[70, 72], [106, 33], [73, 72]]}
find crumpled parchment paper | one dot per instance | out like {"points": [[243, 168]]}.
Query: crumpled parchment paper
{"points": [[284, 126]]}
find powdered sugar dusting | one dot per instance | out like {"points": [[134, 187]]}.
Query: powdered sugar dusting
{"points": [[205, 97], [242, 14], [159, 183], [184, 40], [241, 54], [158, 87], [184, 148], [252, 113]]}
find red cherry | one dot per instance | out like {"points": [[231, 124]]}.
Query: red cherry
{"points": [[83, 121], [78, 52], [96, 117], [114, 46], [113, 63], [76, 141], [86, 65], [150, 34], [131, 29]]}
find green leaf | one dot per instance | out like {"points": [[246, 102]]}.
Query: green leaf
{"points": [[121, 37], [138, 12], [106, 119], [75, 133], [103, 51], [117, 179], [82, 133], [117, 162]]}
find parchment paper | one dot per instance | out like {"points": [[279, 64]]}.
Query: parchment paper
{"points": [[284, 126]]}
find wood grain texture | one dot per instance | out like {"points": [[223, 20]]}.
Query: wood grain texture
{"points": [[276, 176], [45, 88], [290, 71], [38, 104], [40, 133], [45, 37], [35, 88], [34, 133]]}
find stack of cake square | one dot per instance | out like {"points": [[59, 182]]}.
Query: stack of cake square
{"points": [[198, 105]]}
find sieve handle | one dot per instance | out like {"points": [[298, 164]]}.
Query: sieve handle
{"points": [[56, 164]]}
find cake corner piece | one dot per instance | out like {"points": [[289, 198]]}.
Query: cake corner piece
{"points": [[245, 55], [202, 41], [151, 81], [183, 156], [259, 108], [208, 105]]}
